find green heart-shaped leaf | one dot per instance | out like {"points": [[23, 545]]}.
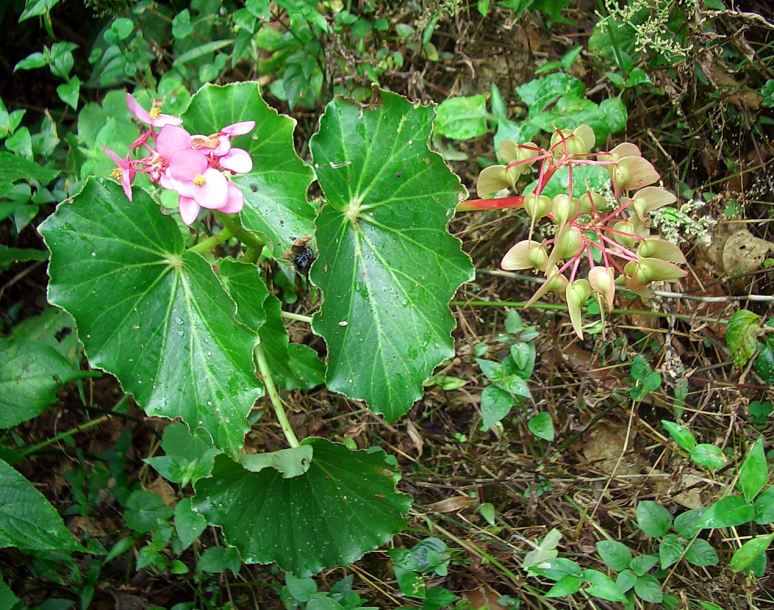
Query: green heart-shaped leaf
{"points": [[275, 190], [342, 507], [150, 313], [387, 265]]}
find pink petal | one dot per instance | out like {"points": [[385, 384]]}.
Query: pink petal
{"points": [[119, 161], [213, 194], [224, 145], [238, 129], [189, 209], [237, 161], [186, 164], [171, 139], [236, 200], [126, 181], [138, 110], [166, 119]]}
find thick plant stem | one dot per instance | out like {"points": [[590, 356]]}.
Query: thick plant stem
{"points": [[478, 205], [215, 240], [233, 224], [296, 316], [271, 390]]}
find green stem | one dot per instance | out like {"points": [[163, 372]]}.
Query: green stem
{"points": [[560, 307], [214, 240], [271, 390], [296, 316], [62, 435], [233, 224]]}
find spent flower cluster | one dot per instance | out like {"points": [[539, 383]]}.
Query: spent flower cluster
{"points": [[609, 234], [196, 167]]}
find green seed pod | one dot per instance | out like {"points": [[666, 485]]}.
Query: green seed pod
{"points": [[570, 243], [563, 210], [537, 206]]}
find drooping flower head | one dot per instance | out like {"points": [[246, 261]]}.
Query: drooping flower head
{"points": [[608, 233]]}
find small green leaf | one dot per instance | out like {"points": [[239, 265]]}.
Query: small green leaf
{"points": [[555, 568], [545, 550], [69, 92], [300, 589], [218, 559], [541, 426], [753, 473], [14, 168], [539, 93], [181, 25], [709, 456], [749, 552], [487, 511], [146, 511], [343, 506], [616, 555], [653, 519], [30, 375], [682, 436], [648, 589], [687, 523], [641, 564], [625, 581], [727, 512], [495, 405], [462, 118], [387, 265], [27, 519], [189, 524], [290, 463], [601, 586], [670, 549], [741, 336], [701, 554], [764, 507], [567, 585], [189, 457]]}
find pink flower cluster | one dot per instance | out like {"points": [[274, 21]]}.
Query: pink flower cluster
{"points": [[196, 167]]}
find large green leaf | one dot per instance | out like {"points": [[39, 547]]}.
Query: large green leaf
{"points": [[27, 519], [342, 507], [387, 265], [292, 365], [275, 190], [151, 313], [30, 374]]}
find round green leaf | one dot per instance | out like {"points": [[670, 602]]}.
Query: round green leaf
{"points": [[741, 336], [27, 519], [462, 118], [275, 190], [709, 456], [701, 553], [727, 512], [387, 265], [648, 589], [616, 555], [541, 426], [150, 313], [750, 551], [653, 519], [343, 506]]}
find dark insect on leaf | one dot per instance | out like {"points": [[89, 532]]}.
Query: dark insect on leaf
{"points": [[303, 260]]}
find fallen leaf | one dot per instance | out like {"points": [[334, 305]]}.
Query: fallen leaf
{"points": [[451, 505]]}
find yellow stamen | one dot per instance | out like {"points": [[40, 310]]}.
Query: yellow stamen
{"points": [[199, 180], [116, 173], [155, 112]]}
